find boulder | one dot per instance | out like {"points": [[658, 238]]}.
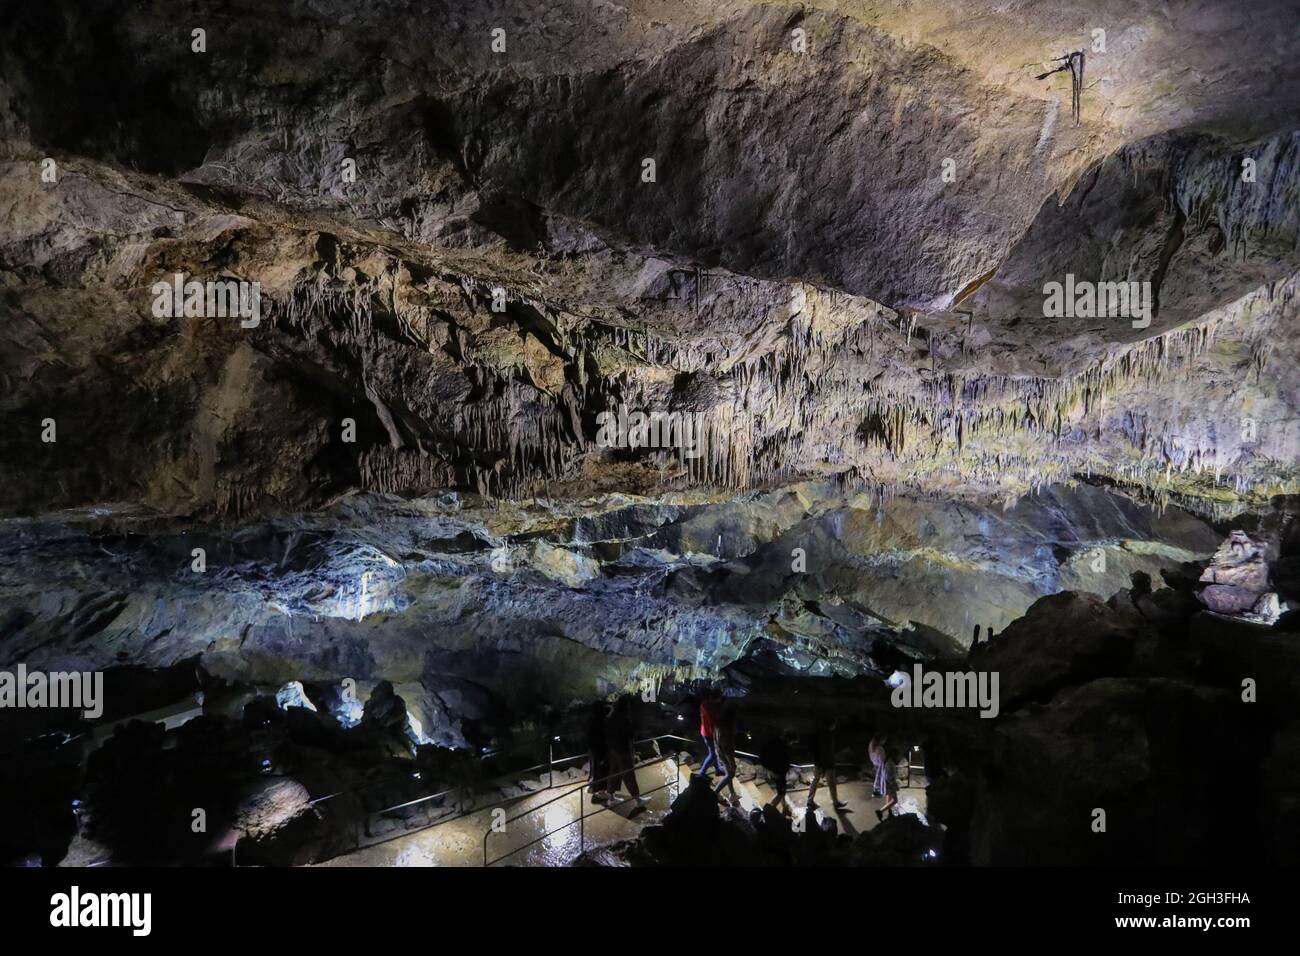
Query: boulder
{"points": [[268, 805], [1281, 786], [1063, 640], [1237, 576], [898, 841], [1117, 772]]}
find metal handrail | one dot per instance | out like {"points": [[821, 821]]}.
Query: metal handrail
{"points": [[581, 790], [582, 814], [462, 761], [550, 765]]}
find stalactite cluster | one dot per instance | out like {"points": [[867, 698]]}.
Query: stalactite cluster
{"points": [[835, 392]]}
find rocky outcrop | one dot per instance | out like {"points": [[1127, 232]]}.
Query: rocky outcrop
{"points": [[268, 807], [1237, 581], [695, 833], [455, 609], [1116, 737], [1063, 639]]}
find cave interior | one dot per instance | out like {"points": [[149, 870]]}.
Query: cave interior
{"points": [[411, 411]]}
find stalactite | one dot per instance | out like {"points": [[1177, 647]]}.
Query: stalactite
{"points": [[840, 366]]}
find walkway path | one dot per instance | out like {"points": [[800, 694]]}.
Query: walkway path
{"points": [[459, 842]]}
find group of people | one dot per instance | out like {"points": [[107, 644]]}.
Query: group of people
{"points": [[610, 739], [717, 729]]}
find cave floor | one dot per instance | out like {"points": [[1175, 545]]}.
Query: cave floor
{"points": [[542, 817], [857, 818], [546, 831]]}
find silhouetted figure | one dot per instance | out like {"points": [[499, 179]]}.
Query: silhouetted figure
{"points": [[467, 774], [774, 756], [1141, 582], [933, 754], [824, 764], [724, 742], [619, 737], [598, 747], [384, 719]]}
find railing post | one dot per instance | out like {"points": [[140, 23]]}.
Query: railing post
{"points": [[550, 764], [582, 820]]}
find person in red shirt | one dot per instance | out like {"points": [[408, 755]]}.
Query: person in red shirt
{"points": [[709, 705]]}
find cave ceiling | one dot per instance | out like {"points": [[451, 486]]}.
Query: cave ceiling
{"points": [[838, 267]]}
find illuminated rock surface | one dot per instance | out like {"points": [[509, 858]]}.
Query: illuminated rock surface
{"points": [[786, 276]]}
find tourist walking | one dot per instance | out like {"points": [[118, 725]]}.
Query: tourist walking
{"points": [[886, 781]]}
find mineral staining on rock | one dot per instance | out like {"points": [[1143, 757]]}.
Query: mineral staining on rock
{"points": [[534, 603]]}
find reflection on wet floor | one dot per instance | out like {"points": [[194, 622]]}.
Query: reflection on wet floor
{"points": [[544, 828], [860, 814]]}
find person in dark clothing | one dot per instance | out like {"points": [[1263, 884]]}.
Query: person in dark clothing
{"points": [[933, 757], [619, 738], [598, 748], [468, 773], [724, 742], [824, 765], [774, 756]]}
